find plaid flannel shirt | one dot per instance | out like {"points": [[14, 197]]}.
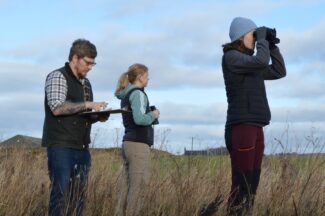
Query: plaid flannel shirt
{"points": [[56, 89]]}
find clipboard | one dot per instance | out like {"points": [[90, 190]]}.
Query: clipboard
{"points": [[104, 112]]}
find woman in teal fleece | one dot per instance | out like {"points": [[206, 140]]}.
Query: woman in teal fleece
{"points": [[137, 139]]}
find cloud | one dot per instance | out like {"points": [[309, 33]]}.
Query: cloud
{"points": [[47, 50], [205, 123], [21, 77], [21, 113], [295, 137], [181, 45], [182, 50], [189, 114], [304, 45], [164, 60], [303, 112], [303, 81]]}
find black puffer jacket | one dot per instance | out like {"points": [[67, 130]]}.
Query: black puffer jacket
{"points": [[244, 77]]}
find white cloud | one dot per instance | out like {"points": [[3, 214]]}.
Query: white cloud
{"points": [[181, 45], [21, 77], [304, 45], [303, 81], [299, 137], [189, 114]]}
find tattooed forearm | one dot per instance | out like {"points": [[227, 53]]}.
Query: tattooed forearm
{"points": [[68, 108]]}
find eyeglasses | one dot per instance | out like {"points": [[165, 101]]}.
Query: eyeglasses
{"points": [[89, 63]]}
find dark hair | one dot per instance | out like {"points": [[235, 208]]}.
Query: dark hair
{"points": [[236, 45], [82, 48]]}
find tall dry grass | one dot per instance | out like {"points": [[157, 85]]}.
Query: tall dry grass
{"points": [[180, 186]]}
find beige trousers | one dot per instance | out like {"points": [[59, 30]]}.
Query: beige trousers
{"points": [[134, 179]]}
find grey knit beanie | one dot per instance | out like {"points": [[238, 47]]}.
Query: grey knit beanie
{"points": [[239, 27]]}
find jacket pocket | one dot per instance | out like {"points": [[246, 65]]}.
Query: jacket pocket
{"points": [[74, 128]]}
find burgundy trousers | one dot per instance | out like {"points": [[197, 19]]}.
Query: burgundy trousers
{"points": [[245, 144]]}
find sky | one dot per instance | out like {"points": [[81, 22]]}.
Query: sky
{"points": [[180, 42]]}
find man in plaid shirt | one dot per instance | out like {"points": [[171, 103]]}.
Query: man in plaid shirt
{"points": [[66, 134]]}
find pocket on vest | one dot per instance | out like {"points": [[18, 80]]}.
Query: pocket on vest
{"points": [[75, 128]]}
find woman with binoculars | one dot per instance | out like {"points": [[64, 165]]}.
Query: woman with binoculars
{"points": [[137, 139], [248, 110]]}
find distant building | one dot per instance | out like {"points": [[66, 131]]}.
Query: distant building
{"points": [[212, 151], [22, 141]]}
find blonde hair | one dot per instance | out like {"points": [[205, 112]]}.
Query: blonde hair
{"points": [[130, 76]]}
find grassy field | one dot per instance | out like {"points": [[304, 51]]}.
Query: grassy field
{"points": [[180, 186]]}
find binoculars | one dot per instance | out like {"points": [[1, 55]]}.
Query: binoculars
{"points": [[152, 108], [270, 36]]}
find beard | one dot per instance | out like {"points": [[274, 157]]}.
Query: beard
{"points": [[81, 73]]}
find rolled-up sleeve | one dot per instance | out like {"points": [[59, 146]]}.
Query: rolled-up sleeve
{"points": [[55, 89]]}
